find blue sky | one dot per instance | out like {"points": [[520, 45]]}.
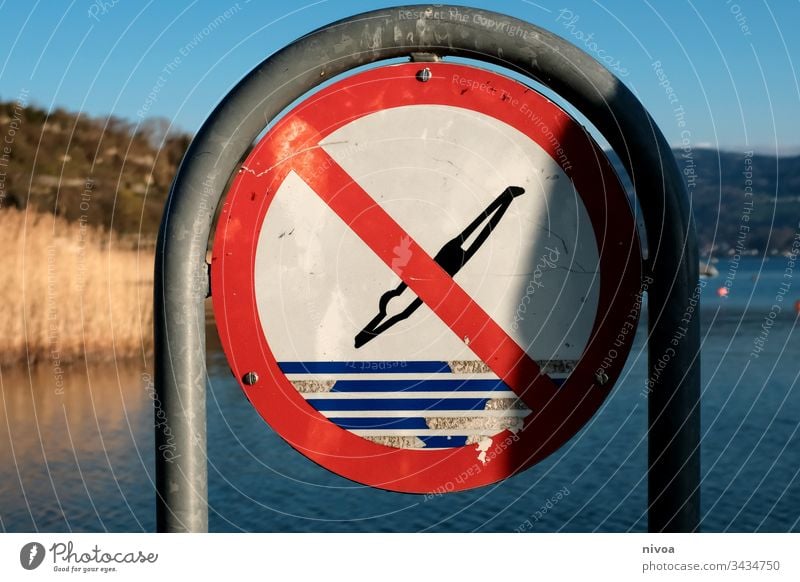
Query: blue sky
{"points": [[732, 64]]}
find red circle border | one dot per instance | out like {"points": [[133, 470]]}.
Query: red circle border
{"points": [[282, 406]]}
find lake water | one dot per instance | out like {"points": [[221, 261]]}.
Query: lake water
{"points": [[81, 458]]}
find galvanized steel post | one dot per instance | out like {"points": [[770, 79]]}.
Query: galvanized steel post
{"points": [[181, 270]]}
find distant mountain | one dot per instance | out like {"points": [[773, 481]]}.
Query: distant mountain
{"points": [[719, 184], [112, 173]]}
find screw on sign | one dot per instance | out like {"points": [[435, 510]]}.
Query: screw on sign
{"points": [[418, 275]]}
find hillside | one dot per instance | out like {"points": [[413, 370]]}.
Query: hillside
{"points": [[105, 172], [110, 173], [717, 183]]}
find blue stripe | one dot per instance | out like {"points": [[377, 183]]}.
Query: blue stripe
{"points": [[399, 404], [418, 385], [362, 367], [388, 423], [443, 442]]}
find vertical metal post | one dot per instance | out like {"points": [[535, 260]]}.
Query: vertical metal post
{"points": [[180, 374], [181, 275], [673, 441]]}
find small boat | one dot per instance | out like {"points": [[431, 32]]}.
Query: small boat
{"points": [[708, 270]]}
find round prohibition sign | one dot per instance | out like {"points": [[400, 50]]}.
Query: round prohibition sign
{"points": [[426, 277]]}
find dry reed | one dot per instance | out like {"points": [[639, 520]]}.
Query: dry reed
{"points": [[69, 290]]}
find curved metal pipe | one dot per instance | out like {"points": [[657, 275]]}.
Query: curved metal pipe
{"points": [[181, 272]]}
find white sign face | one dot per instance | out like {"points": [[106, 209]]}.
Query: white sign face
{"points": [[318, 284], [534, 271]]}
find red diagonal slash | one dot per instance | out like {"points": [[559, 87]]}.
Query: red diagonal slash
{"points": [[427, 279]]}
